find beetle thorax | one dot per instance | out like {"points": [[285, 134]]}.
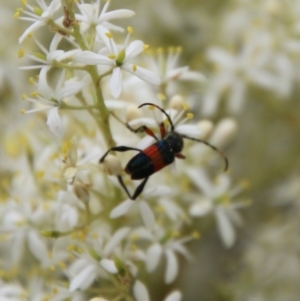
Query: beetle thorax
{"points": [[175, 141]]}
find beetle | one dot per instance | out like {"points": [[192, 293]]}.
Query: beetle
{"points": [[156, 156]]}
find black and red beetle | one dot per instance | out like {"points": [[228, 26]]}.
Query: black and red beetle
{"points": [[156, 156]]}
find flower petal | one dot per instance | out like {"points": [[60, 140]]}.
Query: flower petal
{"points": [[115, 240], [134, 49], [152, 258], [201, 208], [189, 130], [140, 291], [84, 279], [116, 14], [70, 88], [175, 296], [225, 228], [37, 247], [43, 86], [172, 267], [143, 74], [121, 209], [92, 58], [109, 266], [147, 215], [30, 29], [55, 123], [116, 83]]}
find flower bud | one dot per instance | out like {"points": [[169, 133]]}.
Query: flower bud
{"points": [[121, 57], [133, 112], [224, 132], [176, 103], [119, 265], [112, 165], [81, 192], [206, 127]]}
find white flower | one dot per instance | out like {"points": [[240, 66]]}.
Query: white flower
{"points": [[49, 99], [164, 244], [76, 160], [49, 56], [118, 59], [145, 211], [40, 16], [166, 66], [255, 63], [20, 220], [92, 15], [217, 199], [84, 271]]}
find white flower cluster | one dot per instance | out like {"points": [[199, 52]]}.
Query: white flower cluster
{"points": [[68, 229], [261, 50]]}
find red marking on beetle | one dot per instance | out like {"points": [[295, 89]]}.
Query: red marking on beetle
{"points": [[156, 158]]}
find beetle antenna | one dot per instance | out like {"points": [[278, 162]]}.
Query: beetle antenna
{"points": [[162, 110], [211, 146]]}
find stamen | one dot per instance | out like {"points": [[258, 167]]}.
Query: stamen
{"points": [[17, 14], [109, 35], [21, 53], [190, 115], [129, 29], [161, 96], [185, 106], [38, 11]]}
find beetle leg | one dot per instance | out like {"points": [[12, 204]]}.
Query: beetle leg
{"points": [[144, 129], [162, 129], [138, 190], [124, 186], [179, 156], [118, 149]]}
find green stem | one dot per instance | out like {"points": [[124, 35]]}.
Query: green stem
{"points": [[103, 118]]}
